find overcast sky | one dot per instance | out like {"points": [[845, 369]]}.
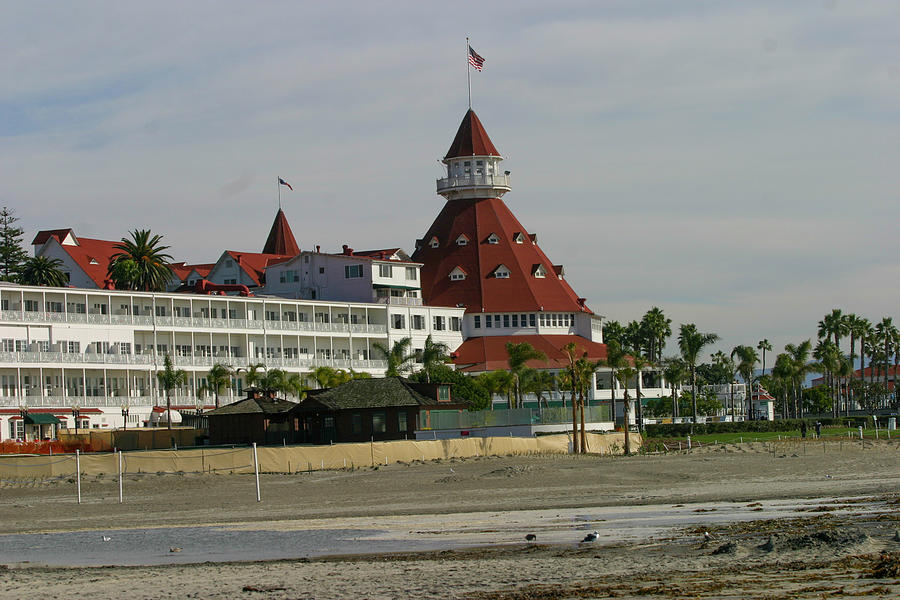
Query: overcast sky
{"points": [[735, 163]]}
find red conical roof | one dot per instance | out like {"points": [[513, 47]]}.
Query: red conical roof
{"points": [[281, 238], [471, 139], [481, 291]]}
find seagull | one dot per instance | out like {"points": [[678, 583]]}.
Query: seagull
{"points": [[174, 549], [106, 538], [828, 477], [451, 470], [530, 537], [706, 536], [591, 537]]}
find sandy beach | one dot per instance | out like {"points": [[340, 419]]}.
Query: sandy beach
{"points": [[824, 523]]}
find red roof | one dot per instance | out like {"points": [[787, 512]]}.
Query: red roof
{"points": [[281, 238], [489, 353], [480, 291], [59, 234], [471, 139], [93, 257], [183, 270], [254, 263]]}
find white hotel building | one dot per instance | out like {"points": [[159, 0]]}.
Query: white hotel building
{"points": [[100, 349]]}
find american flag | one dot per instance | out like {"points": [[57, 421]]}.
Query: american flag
{"points": [[475, 59], [283, 182]]}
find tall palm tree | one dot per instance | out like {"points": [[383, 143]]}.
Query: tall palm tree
{"points": [[828, 355], [800, 365], [658, 327], [295, 384], [218, 378], [434, 353], [765, 346], [833, 325], [585, 370], [852, 323], [169, 379], [42, 270], [616, 358], [397, 357], [141, 263], [640, 363], [519, 354], [691, 342], [887, 334], [571, 353], [625, 375], [783, 372], [675, 371], [255, 374], [727, 364], [495, 383], [747, 359], [537, 382]]}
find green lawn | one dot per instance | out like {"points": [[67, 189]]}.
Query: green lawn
{"points": [[827, 432]]}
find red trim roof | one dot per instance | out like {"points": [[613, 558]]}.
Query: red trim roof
{"points": [[489, 353], [471, 139], [254, 263], [480, 292], [281, 238], [93, 257]]}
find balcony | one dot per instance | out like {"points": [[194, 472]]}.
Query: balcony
{"points": [[398, 301], [474, 182]]}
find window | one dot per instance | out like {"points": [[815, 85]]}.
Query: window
{"points": [[54, 307], [531, 320], [230, 281], [402, 424], [290, 276], [418, 322], [439, 323], [379, 422], [321, 270], [75, 307], [457, 274], [32, 305], [501, 272], [506, 320], [397, 322], [493, 239], [356, 423], [412, 273], [519, 238], [306, 259], [540, 272], [462, 240], [385, 271], [229, 263], [443, 393], [477, 320], [487, 321], [434, 243], [515, 320], [497, 321], [455, 324], [322, 317], [353, 271]]}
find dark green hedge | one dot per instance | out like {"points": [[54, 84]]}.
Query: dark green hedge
{"points": [[670, 430]]}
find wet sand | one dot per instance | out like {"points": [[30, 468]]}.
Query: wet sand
{"points": [[832, 546]]}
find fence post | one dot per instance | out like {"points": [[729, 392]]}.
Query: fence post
{"points": [[256, 471], [78, 473]]}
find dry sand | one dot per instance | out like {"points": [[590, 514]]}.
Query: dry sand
{"points": [[851, 553]]}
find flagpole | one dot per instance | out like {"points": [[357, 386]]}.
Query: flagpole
{"points": [[278, 185], [468, 73]]}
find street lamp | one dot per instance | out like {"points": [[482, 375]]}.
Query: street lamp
{"points": [[76, 411], [124, 417], [23, 412]]}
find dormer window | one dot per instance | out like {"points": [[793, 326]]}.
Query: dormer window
{"points": [[501, 272], [94, 261], [519, 237], [539, 271], [560, 272], [493, 239], [457, 274], [462, 240], [434, 243]]}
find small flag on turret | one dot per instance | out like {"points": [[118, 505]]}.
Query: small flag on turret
{"points": [[283, 182], [475, 59]]}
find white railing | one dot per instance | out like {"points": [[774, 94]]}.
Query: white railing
{"points": [[484, 180], [69, 401], [398, 300]]}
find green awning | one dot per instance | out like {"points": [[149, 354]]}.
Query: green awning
{"points": [[41, 419], [395, 287]]}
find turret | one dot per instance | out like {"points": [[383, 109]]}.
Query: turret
{"points": [[473, 164]]}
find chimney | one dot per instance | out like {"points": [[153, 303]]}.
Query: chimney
{"points": [[318, 248], [348, 251]]}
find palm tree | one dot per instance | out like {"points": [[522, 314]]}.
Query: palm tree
{"points": [[765, 346], [255, 374], [432, 354], [887, 334], [691, 342], [640, 363], [747, 359], [833, 325], [218, 378], [658, 328], [140, 263], [535, 381], [295, 385], [574, 372], [519, 354], [800, 367], [397, 358], [727, 364], [584, 370], [41, 270], [625, 374], [616, 358], [495, 383], [828, 355], [675, 371], [169, 379], [783, 372]]}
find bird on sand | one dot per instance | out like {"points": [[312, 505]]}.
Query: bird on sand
{"points": [[106, 538], [591, 537], [530, 537], [174, 549], [706, 536]]}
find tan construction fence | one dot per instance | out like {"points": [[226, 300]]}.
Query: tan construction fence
{"points": [[291, 459]]}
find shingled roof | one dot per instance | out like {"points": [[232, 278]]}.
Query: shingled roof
{"points": [[261, 405], [377, 392]]}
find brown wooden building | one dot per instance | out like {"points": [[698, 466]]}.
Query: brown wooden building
{"points": [[260, 418], [369, 409]]}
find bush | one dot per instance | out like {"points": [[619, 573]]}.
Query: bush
{"points": [[676, 430]]}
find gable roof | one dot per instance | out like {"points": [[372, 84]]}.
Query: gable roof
{"points": [[489, 353], [281, 238], [59, 234], [247, 406], [91, 256], [377, 392], [471, 139], [254, 263]]}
